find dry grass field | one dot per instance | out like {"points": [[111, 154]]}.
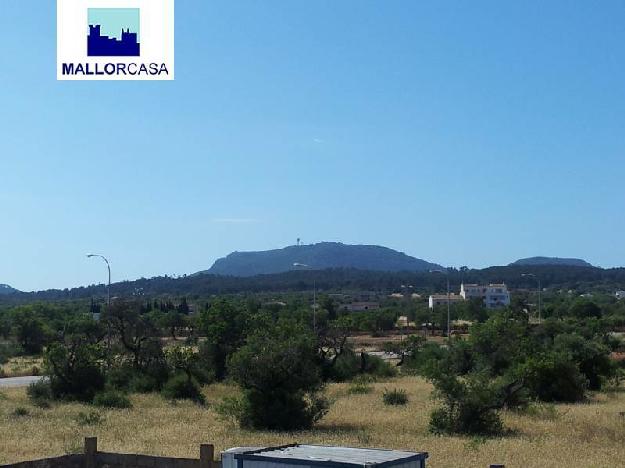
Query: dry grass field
{"points": [[588, 435], [20, 366]]}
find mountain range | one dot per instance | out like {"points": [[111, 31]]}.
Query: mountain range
{"points": [[319, 256]]}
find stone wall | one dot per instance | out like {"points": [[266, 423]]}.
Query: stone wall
{"points": [[91, 458]]}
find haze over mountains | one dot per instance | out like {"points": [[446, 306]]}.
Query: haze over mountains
{"points": [[318, 257]]}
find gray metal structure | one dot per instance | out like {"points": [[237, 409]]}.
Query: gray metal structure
{"points": [[313, 456]]}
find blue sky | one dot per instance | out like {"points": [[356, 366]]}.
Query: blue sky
{"points": [[465, 133]]}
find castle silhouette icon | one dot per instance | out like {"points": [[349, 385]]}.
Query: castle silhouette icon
{"points": [[105, 46]]}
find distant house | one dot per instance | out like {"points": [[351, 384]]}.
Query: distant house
{"points": [[441, 299], [493, 295], [402, 321], [620, 295], [361, 306]]}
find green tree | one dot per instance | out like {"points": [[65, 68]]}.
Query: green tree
{"points": [[31, 331], [224, 326], [74, 370], [278, 371]]}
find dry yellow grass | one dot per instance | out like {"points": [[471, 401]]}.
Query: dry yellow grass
{"points": [[589, 435], [23, 365]]}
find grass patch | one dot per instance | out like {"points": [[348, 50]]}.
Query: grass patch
{"points": [[395, 397], [582, 435], [112, 399], [91, 418]]}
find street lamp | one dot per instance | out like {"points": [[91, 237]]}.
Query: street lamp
{"points": [[108, 288], [303, 265], [448, 301], [539, 293], [108, 300]]}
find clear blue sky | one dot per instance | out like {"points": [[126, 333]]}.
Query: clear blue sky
{"points": [[465, 133]]}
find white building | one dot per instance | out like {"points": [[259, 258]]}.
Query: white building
{"points": [[441, 300], [493, 295], [620, 295]]}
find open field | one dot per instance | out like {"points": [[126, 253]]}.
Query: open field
{"points": [[20, 366], [588, 435]]}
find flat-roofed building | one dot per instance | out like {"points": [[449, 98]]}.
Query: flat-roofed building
{"points": [[493, 295], [441, 299]]}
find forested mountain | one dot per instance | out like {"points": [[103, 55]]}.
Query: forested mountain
{"points": [[552, 261], [318, 257]]}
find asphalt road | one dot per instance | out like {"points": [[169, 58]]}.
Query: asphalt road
{"points": [[19, 381]]}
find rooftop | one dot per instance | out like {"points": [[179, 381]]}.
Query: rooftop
{"points": [[330, 456]]}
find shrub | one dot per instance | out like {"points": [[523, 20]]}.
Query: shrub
{"points": [[142, 383], [120, 377], [40, 393], [542, 411], [92, 418], [279, 373], [231, 408], [111, 399], [469, 405], [395, 397], [359, 388], [180, 387], [20, 411], [553, 377], [345, 368], [379, 368], [74, 371]]}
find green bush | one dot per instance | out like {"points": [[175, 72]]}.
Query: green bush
{"points": [[92, 418], [553, 377], [359, 388], [20, 412], [278, 370], [345, 368], [379, 368], [75, 372], [395, 397], [142, 383], [542, 411], [180, 387], [7, 351], [469, 405], [231, 408], [40, 393], [112, 399]]}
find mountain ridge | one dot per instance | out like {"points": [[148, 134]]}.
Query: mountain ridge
{"points": [[534, 261], [5, 289], [318, 256]]}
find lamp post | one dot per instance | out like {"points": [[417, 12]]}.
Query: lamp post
{"points": [[303, 265], [540, 289], [108, 287], [108, 300], [448, 301]]}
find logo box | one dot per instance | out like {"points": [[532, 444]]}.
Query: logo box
{"points": [[115, 39]]}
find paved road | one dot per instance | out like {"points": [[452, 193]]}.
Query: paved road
{"points": [[18, 381]]}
